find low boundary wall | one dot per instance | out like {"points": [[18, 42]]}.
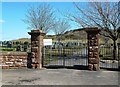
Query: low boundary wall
{"points": [[13, 60]]}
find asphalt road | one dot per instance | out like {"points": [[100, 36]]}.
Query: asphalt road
{"points": [[58, 77]]}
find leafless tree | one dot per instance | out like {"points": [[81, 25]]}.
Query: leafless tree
{"points": [[61, 26], [40, 17], [104, 15]]}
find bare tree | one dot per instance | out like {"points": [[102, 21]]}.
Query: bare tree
{"points": [[61, 26], [40, 17], [104, 15]]}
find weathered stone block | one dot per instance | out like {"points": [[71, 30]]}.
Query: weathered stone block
{"points": [[12, 60], [93, 60], [5, 66], [90, 66], [34, 44], [35, 65], [13, 67], [34, 49], [33, 55], [8, 63], [96, 67]]}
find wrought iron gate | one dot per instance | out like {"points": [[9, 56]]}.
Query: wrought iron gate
{"points": [[65, 54]]}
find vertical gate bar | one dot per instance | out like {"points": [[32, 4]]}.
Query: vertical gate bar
{"points": [[110, 60], [43, 56], [70, 55], [106, 65], [102, 53], [86, 56], [85, 53], [81, 53], [118, 57], [56, 52], [63, 57], [50, 54]]}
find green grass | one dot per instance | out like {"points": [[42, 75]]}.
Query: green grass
{"points": [[7, 49]]}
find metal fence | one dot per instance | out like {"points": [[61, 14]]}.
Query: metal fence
{"points": [[106, 56]]}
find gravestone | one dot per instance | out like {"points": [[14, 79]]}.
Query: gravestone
{"points": [[25, 46], [36, 48], [18, 48], [93, 48], [9, 44]]}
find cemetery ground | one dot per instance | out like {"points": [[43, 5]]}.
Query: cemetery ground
{"points": [[59, 76]]}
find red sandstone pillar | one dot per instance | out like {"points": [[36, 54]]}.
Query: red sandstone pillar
{"points": [[36, 47], [93, 48]]}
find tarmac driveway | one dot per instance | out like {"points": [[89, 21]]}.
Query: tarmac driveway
{"points": [[58, 77]]}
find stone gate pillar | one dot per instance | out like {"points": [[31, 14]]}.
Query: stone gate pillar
{"points": [[36, 48], [93, 48]]}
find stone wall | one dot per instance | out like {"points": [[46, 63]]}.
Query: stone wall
{"points": [[13, 60]]}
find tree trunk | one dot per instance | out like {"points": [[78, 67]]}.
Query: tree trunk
{"points": [[114, 50]]}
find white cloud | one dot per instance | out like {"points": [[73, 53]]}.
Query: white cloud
{"points": [[2, 21]]}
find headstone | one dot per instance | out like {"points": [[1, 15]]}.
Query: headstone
{"points": [[18, 48]]}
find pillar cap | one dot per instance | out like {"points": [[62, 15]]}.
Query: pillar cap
{"points": [[91, 29], [36, 32]]}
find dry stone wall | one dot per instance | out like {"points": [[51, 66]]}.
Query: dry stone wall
{"points": [[13, 60]]}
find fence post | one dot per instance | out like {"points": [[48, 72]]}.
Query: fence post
{"points": [[36, 47], [93, 48]]}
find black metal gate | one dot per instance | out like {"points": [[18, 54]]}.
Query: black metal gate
{"points": [[65, 54]]}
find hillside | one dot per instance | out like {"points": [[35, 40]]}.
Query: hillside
{"points": [[71, 35], [78, 34], [21, 39]]}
